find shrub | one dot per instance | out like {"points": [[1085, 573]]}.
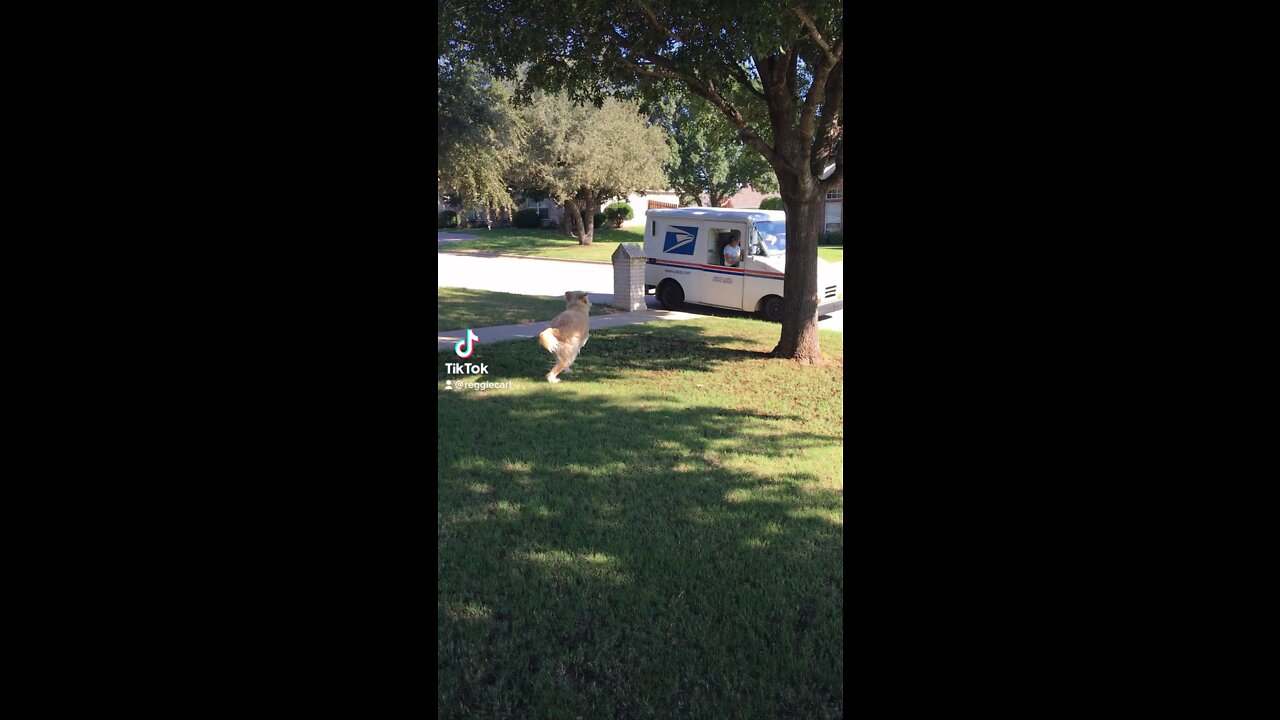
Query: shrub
{"points": [[618, 213], [449, 219], [771, 203], [527, 218], [599, 221], [835, 237]]}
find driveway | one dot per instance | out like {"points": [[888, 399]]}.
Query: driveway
{"points": [[451, 236], [550, 278]]}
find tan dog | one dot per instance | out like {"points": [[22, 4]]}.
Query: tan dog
{"points": [[568, 333]]}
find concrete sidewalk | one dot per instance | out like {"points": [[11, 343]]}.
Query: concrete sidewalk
{"points": [[446, 339]]}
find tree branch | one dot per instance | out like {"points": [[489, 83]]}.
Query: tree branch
{"points": [[773, 74], [709, 92], [832, 57], [818, 88], [830, 131], [662, 68], [793, 70], [653, 20], [651, 73], [744, 78]]}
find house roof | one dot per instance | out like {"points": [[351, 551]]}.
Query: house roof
{"points": [[747, 197]]}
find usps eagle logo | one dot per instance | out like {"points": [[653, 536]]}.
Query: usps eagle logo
{"points": [[680, 240]]}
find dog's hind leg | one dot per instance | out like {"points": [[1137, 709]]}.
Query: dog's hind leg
{"points": [[573, 358], [551, 376]]}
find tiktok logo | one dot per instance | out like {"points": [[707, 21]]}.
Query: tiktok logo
{"points": [[471, 337]]}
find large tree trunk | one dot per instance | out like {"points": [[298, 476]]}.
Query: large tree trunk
{"points": [[799, 340], [586, 209], [570, 220]]}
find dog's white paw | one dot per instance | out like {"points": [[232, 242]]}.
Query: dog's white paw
{"points": [[552, 378]]}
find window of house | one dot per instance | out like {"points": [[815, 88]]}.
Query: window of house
{"points": [[835, 194], [543, 207], [834, 219]]}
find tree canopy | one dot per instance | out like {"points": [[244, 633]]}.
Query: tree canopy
{"points": [[582, 155], [477, 136], [785, 58]]}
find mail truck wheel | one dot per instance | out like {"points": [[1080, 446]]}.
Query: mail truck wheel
{"points": [[773, 308], [670, 294]]}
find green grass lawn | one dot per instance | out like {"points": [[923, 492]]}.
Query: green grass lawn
{"points": [[458, 308], [545, 243], [831, 254], [659, 535]]}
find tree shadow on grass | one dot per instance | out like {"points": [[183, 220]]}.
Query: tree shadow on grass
{"points": [[606, 561], [712, 311], [630, 351]]}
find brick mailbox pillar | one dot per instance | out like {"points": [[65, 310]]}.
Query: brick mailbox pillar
{"points": [[628, 277]]}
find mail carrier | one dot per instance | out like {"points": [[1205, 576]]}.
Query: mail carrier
{"points": [[686, 260]]}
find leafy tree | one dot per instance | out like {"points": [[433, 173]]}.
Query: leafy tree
{"points": [[775, 70], [572, 153], [708, 157], [618, 213], [477, 136], [771, 203]]}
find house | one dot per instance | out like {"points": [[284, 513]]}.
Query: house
{"points": [[501, 218], [640, 204], [833, 221], [548, 209], [639, 201], [746, 198]]}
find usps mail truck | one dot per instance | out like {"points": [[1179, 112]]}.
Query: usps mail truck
{"points": [[685, 247]]}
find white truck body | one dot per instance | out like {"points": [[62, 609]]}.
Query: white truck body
{"points": [[686, 261]]}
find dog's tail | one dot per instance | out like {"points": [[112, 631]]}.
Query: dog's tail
{"points": [[547, 339]]}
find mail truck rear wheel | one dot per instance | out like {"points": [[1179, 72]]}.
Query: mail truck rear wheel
{"points": [[772, 308], [670, 294]]}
